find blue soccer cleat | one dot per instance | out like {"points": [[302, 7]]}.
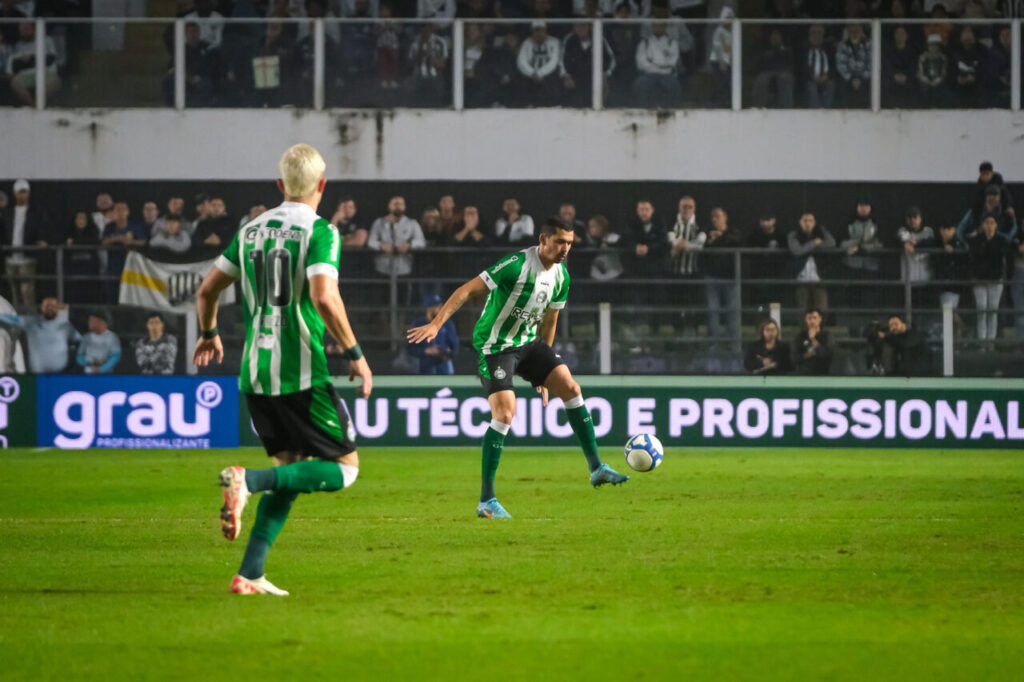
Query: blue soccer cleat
{"points": [[605, 474], [492, 509]]}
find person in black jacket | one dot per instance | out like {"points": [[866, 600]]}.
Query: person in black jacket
{"points": [[949, 266], [988, 267], [82, 264], [721, 285], [899, 72], [988, 176], [767, 355], [812, 348], [27, 225], [576, 61], [647, 240]]}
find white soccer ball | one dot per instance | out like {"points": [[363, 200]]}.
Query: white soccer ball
{"points": [[644, 452]]}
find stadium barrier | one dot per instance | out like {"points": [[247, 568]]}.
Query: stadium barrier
{"points": [[685, 412]]}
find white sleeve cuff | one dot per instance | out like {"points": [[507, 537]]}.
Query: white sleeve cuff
{"points": [[557, 305], [486, 277], [227, 267], [321, 269]]}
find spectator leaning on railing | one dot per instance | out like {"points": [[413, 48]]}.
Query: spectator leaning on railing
{"points": [[818, 70], [804, 242], [83, 264], [49, 335], [23, 70], [950, 265], [914, 235], [1006, 226], [720, 285], [513, 226], [538, 63], [467, 231], [353, 235], [988, 268], [26, 225], [853, 62], [395, 235], [172, 238]]}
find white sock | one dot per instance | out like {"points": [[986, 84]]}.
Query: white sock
{"points": [[573, 403], [349, 473], [500, 427]]}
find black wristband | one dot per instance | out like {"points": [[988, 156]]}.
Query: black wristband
{"points": [[354, 353], [210, 333]]}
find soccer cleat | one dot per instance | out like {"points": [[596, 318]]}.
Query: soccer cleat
{"points": [[492, 509], [605, 474], [236, 494], [261, 585]]}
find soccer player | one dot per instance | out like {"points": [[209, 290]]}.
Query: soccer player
{"points": [[514, 334], [287, 259]]}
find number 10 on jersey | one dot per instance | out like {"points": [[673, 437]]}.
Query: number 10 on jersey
{"points": [[272, 275]]}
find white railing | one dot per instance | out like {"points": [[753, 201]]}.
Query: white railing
{"points": [[458, 26]]}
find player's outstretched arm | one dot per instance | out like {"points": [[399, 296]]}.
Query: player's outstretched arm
{"points": [[323, 289], [208, 345], [474, 287]]}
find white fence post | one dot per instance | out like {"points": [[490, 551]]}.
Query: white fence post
{"points": [[737, 65], [40, 64], [458, 66], [179, 64], [191, 334], [597, 65], [604, 333], [947, 339], [876, 65], [319, 64]]}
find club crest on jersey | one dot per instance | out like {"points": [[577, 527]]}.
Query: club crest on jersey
{"points": [[499, 374]]}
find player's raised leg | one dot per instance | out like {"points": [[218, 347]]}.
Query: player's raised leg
{"points": [[281, 485], [503, 409], [561, 384]]}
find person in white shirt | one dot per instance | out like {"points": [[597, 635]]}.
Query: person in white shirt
{"points": [[657, 63], [25, 229], [686, 238], [23, 70], [211, 24], [395, 235], [513, 226], [538, 62]]}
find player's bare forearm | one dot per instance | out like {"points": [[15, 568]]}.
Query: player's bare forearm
{"points": [[215, 282], [474, 287], [330, 306], [547, 327]]}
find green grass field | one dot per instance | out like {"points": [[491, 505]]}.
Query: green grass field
{"points": [[728, 564]]}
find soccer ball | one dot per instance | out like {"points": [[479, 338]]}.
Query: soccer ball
{"points": [[644, 452]]}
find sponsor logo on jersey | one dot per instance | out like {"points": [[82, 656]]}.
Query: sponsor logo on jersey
{"points": [[499, 266]]}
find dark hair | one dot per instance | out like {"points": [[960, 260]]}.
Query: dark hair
{"points": [[600, 220], [155, 314], [813, 309], [764, 323], [344, 198], [566, 203], [767, 215], [553, 224], [172, 217], [985, 166], [993, 190]]}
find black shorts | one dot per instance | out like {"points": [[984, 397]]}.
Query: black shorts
{"points": [[313, 422], [533, 362]]}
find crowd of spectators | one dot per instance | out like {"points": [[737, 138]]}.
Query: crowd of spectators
{"points": [[806, 265], [540, 59]]}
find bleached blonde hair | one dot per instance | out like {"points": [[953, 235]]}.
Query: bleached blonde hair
{"points": [[301, 169]]}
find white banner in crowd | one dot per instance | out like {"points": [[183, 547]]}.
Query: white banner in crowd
{"points": [[170, 286]]}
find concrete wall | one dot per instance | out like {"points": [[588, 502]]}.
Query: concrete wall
{"points": [[844, 146]]}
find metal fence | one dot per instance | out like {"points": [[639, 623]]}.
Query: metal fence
{"points": [[646, 319], [352, 63]]}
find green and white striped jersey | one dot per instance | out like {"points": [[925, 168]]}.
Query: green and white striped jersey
{"points": [[521, 292], [274, 256]]}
